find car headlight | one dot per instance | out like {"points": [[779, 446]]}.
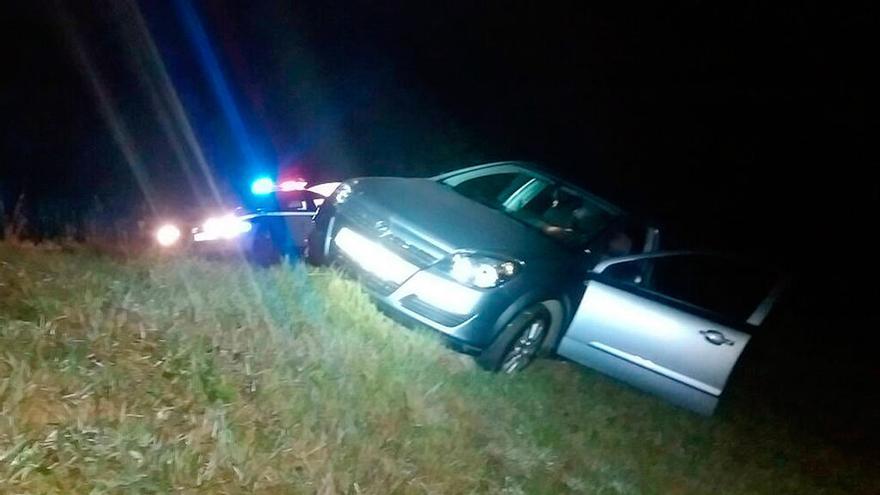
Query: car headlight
{"points": [[342, 193], [482, 271], [167, 235], [225, 227]]}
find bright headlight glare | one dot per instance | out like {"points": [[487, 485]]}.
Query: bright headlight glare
{"points": [[373, 257], [443, 293], [225, 227], [167, 235], [482, 271]]}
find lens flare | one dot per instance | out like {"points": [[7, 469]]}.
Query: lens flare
{"points": [[225, 227], [167, 235]]}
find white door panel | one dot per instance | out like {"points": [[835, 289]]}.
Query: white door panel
{"points": [[653, 346]]}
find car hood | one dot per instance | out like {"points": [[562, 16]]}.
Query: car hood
{"points": [[442, 220]]}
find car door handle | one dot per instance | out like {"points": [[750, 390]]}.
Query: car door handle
{"points": [[715, 337]]}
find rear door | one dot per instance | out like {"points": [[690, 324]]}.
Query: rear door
{"points": [[673, 324], [298, 209]]}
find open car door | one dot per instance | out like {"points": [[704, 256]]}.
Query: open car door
{"points": [[673, 324]]}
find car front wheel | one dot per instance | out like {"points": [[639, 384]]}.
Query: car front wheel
{"points": [[520, 342], [265, 251], [314, 254]]}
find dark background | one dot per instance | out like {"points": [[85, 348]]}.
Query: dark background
{"points": [[746, 125], [741, 127]]}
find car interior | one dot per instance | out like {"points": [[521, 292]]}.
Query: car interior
{"points": [[558, 211], [563, 214]]}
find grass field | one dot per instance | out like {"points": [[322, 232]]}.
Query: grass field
{"points": [[186, 376]]}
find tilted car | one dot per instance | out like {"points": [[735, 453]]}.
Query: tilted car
{"points": [[510, 263]]}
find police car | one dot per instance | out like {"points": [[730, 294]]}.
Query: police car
{"points": [[278, 226]]}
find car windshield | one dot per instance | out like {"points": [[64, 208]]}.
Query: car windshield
{"points": [[557, 211]]}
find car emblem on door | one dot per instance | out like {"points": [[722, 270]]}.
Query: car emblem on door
{"points": [[716, 337]]}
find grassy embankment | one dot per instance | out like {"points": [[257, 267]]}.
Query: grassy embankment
{"points": [[185, 376]]}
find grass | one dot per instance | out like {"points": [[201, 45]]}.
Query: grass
{"points": [[151, 375]]}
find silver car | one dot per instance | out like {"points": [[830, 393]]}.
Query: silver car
{"points": [[510, 263]]}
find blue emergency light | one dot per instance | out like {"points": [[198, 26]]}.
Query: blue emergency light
{"points": [[262, 186]]}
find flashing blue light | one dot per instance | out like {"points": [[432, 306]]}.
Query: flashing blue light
{"points": [[262, 186]]}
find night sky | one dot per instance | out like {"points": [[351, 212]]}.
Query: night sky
{"points": [[741, 128]]}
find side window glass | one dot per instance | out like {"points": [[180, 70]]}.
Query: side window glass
{"points": [[628, 272], [565, 215], [296, 200], [492, 189], [716, 284], [297, 204], [622, 238]]}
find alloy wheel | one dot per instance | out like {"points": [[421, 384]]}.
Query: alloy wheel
{"points": [[525, 347]]}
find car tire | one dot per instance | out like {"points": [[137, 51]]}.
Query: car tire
{"points": [[519, 343], [314, 252], [264, 250]]}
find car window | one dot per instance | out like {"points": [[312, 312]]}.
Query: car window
{"points": [[492, 189], [556, 210], [298, 205], [720, 285], [564, 214], [623, 237], [297, 201]]}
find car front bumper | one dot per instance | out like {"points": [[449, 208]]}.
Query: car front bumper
{"points": [[419, 294], [222, 247]]}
